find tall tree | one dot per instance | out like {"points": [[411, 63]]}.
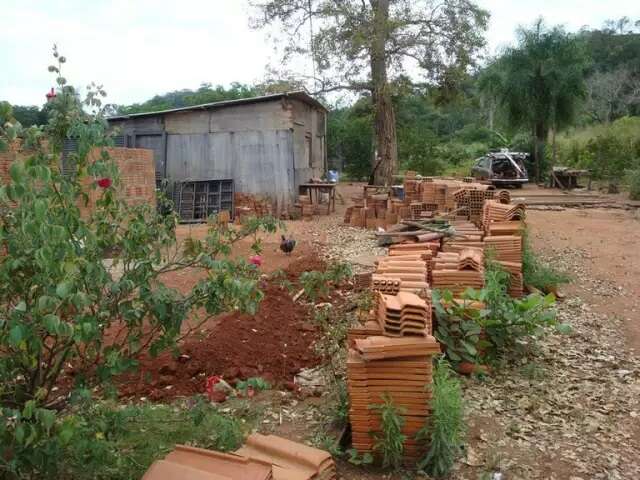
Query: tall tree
{"points": [[540, 82], [365, 45]]}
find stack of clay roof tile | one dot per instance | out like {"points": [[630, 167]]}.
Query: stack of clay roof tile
{"points": [[516, 287], [466, 232], [404, 314], [503, 196], [494, 211], [412, 270], [289, 460], [262, 458], [458, 271], [513, 227], [506, 248], [423, 248], [397, 367], [369, 329]]}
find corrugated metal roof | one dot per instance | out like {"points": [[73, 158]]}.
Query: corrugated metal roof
{"points": [[298, 95]]}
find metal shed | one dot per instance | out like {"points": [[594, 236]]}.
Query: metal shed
{"points": [[267, 145]]}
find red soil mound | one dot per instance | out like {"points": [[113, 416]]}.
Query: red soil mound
{"points": [[274, 344]]}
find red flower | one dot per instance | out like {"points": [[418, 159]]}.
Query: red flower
{"points": [[104, 182], [255, 260]]}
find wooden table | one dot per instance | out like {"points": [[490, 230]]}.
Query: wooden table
{"points": [[319, 188]]}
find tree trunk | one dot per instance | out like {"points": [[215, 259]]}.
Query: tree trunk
{"points": [[385, 163], [554, 146], [540, 136]]}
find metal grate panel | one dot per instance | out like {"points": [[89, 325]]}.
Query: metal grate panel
{"points": [[195, 201]]}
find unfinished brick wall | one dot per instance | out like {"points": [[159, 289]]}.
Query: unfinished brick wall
{"points": [[137, 177], [7, 157], [137, 174]]}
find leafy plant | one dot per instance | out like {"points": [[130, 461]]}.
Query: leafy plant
{"points": [[390, 442], [479, 335], [257, 384], [63, 308], [357, 459], [338, 272], [459, 326], [445, 430], [316, 284]]}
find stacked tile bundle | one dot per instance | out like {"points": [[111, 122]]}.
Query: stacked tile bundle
{"points": [[404, 314], [506, 248], [410, 263], [513, 227], [399, 368], [426, 249], [369, 328], [508, 252], [458, 271], [411, 188], [504, 196], [516, 279], [466, 234], [411, 270], [494, 211], [264, 457], [289, 459]]}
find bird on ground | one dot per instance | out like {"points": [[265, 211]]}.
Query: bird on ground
{"points": [[287, 246]]}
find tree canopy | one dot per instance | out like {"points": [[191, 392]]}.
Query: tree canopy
{"points": [[540, 82], [365, 46]]}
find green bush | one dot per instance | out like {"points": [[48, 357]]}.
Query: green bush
{"points": [[482, 336], [608, 150], [634, 184], [445, 431], [316, 284], [61, 301]]}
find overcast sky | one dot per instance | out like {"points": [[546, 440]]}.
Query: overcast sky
{"points": [[138, 48]]}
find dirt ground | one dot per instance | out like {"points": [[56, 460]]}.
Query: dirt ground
{"points": [[608, 239], [569, 411]]}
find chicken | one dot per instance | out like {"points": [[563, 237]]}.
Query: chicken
{"points": [[287, 246]]}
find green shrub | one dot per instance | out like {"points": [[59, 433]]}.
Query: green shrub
{"points": [[607, 149], [60, 301], [537, 273], [316, 284], [390, 442], [120, 442], [445, 430], [482, 336], [634, 184]]}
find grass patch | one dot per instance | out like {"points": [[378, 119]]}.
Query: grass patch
{"points": [[537, 273], [120, 442]]}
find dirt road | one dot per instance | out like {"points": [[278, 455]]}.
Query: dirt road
{"points": [[609, 267]]}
